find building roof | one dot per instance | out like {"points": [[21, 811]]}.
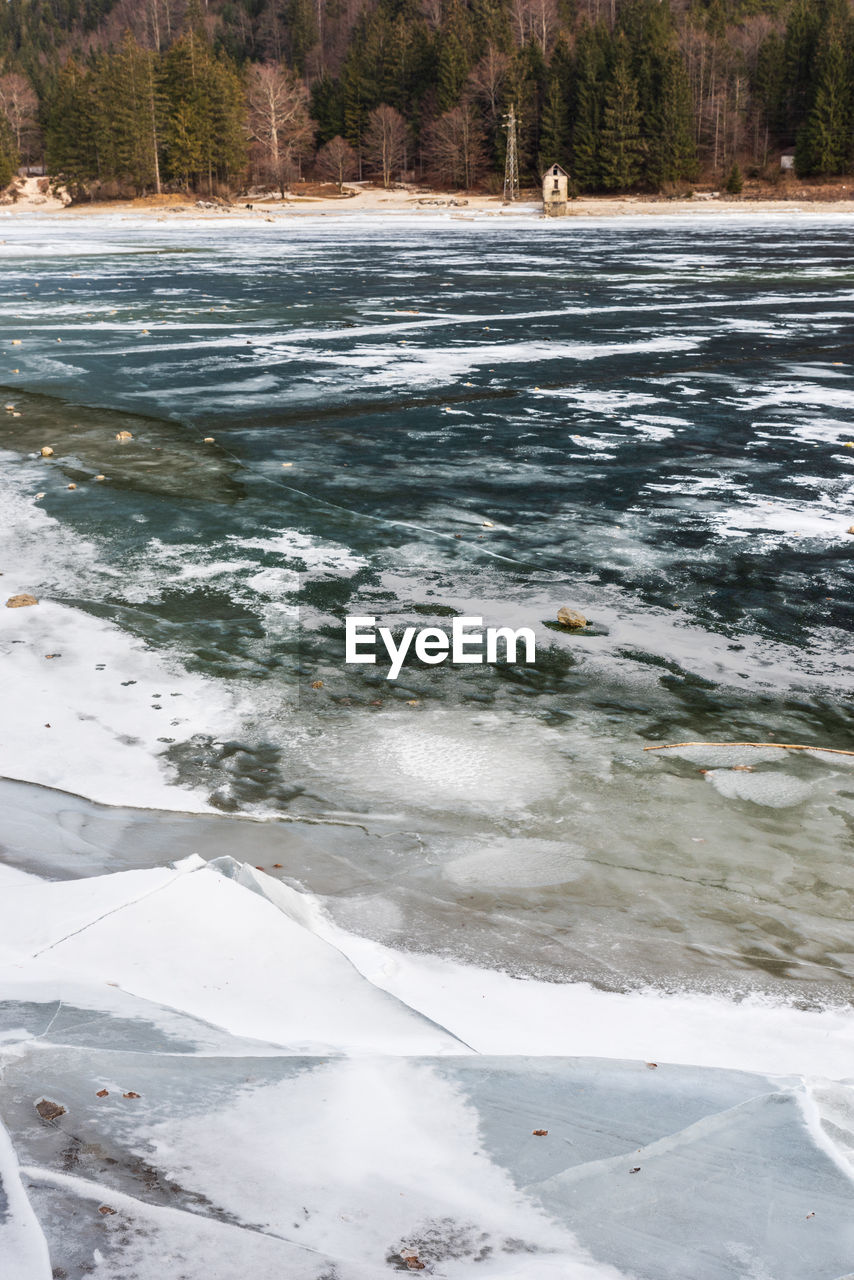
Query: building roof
{"points": [[555, 169]]}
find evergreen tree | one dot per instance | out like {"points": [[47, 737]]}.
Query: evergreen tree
{"points": [[824, 143], [587, 104], [131, 86], [671, 153], [183, 133], [452, 72], [327, 109], [555, 131], [526, 88], [361, 75], [205, 134], [302, 30], [799, 48], [768, 87], [620, 146], [9, 157], [71, 153], [664, 94]]}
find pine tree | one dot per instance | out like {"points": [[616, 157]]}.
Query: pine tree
{"points": [[135, 111], [302, 30], [327, 109], [184, 131], [70, 136], [205, 134], [553, 135], [768, 87], [555, 132], [620, 145], [9, 157], [360, 75], [799, 49], [224, 114], [587, 106], [526, 89], [824, 142], [671, 152], [452, 72], [664, 94]]}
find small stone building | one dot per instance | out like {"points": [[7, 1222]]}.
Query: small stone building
{"points": [[555, 191]]}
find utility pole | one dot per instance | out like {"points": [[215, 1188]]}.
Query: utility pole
{"points": [[511, 167]]}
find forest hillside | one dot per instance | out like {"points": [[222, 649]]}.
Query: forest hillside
{"points": [[127, 97]]}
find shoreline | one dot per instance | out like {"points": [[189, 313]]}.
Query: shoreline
{"points": [[422, 204]]}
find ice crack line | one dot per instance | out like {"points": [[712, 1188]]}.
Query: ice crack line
{"points": [[121, 907]]}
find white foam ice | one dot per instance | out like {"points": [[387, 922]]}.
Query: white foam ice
{"points": [[598, 400], [461, 763], [830, 430], [389, 366], [303, 551], [656, 426], [519, 863], [781, 519], [787, 395], [516, 862], [771, 788]]}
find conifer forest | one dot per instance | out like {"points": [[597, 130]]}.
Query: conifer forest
{"points": [[132, 97]]}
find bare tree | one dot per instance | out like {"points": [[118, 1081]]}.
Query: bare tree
{"points": [[486, 81], [20, 106], [431, 11], [384, 142], [535, 19], [153, 23], [455, 147], [337, 162], [279, 122]]}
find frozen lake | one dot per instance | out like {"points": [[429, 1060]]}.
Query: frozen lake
{"points": [[650, 423]]}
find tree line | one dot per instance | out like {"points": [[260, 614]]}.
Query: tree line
{"points": [[135, 96]]}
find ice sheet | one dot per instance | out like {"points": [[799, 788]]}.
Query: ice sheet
{"points": [[194, 940]]}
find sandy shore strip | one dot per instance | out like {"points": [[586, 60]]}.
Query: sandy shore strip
{"points": [[362, 198]]}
